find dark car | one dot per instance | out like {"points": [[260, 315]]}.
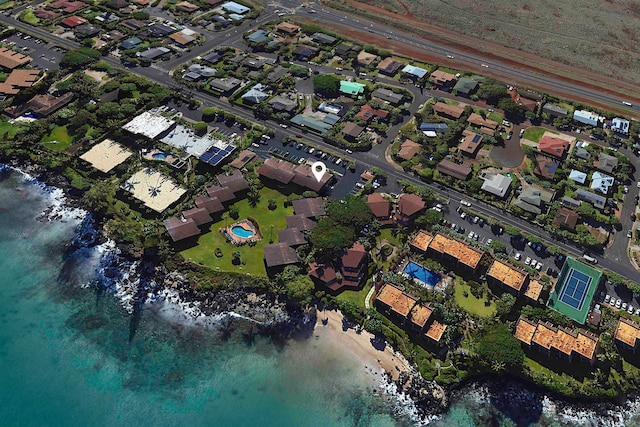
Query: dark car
{"points": [[633, 217]]}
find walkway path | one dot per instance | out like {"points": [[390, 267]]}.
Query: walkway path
{"points": [[368, 297]]}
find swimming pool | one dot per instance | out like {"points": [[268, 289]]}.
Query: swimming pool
{"points": [[242, 232], [418, 272], [160, 156]]}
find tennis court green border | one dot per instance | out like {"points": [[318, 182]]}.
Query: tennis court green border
{"points": [[554, 302]]}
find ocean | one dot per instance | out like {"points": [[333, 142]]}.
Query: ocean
{"points": [[71, 355]]}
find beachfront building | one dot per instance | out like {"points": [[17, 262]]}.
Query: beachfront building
{"points": [[627, 334], [456, 253], [557, 342], [507, 277], [106, 155], [153, 189]]}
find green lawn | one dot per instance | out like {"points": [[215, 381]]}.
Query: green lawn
{"points": [[472, 304], [495, 117], [58, 140], [357, 297], [252, 257], [8, 130], [29, 17], [534, 133]]}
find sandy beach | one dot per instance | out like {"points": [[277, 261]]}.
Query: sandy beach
{"points": [[360, 345]]}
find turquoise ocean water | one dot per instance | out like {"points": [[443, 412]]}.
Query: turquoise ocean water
{"points": [[70, 356]]}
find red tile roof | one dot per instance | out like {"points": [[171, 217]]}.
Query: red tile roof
{"points": [[380, 206], [554, 146], [367, 112], [73, 21], [354, 256], [410, 204]]}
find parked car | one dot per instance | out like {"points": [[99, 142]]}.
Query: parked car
{"points": [[629, 233], [481, 222], [488, 242], [631, 310], [607, 298], [463, 215], [624, 305], [476, 219], [470, 236], [539, 266], [618, 303], [509, 135], [517, 256], [527, 261], [521, 133], [465, 203], [632, 216]]}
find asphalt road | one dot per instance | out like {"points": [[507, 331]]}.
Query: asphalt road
{"points": [[364, 160]]}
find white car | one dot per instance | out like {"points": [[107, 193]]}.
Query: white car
{"points": [[463, 215], [618, 303], [539, 266], [624, 305], [517, 256], [489, 241], [631, 310], [527, 261], [465, 203], [471, 234], [607, 298]]}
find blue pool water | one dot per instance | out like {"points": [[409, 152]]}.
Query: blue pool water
{"points": [[241, 232], [159, 156], [417, 271]]}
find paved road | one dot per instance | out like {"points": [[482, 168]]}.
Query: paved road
{"points": [[364, 160]]}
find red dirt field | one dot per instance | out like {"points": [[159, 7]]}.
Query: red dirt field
{"points": [[490, 51]]}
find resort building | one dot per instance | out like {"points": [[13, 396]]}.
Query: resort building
{"points": [[534, 290], [181, 229], [507, 277], [11, 59], [279, 255], [380, 207], [557, 342], [421, 241], [435, 332], [351, 269], [284, 172], [409, 207], [300, 222], [311, 207], [153, 189], [456, 253], [627, 334]]}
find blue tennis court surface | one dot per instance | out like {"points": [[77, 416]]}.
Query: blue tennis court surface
{"points": [[575, 289]]}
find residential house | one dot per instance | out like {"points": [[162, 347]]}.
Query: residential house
{"points": [[388, 96], [200, 216], [46, 15], [323, 38], [555, 110], [133, 24], [86, 30], [304, 52], [577, 176], [365, 58], [596, 200], [292, 237], [627, 334], [486, 126], [553, 146], [185, 6], [620, 126], [182, 39], [287, 29], [389, 66], [225, 85], [470, 143], [256, 94], [588, 118], [459, 254], [558, 342], [546, 166], [533, 198], [442, 79], [284, 103], [67, 6], [276, 74], [300, 222], [351, 88], [130, 43], [455, 170], [507, 277], [452, 112], [570, 202], [380, 207], [466, 87], [367, 112], [565, 218], [409, 149], [72, 21], [433, 129], [606, 162], [496, 184], [413, 72], [601, 182], [233, 7], [154, 52], [213, 205], [409, 207], [352, 130], [344, 50], [42, 105]]}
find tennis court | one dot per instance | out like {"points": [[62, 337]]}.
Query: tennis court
{"points": [[575, 289]]}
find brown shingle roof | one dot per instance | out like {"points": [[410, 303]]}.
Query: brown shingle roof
{"points": [[352, 129], [505, 274], [477, 120], [211, 204], [389, 65], [244, 157], [18, 79], [291, 236], [224, 194], [198, 215], [354, 256], [280, 254], [179, 229], [10, 59], [380, 206], [288, 28], [471, 142], [453, 169], [441, 78], [323, 272], [309, 207], [410, 204], [300, 222], [408, 149], [234, 181], [452, 111], [278, 170], [566, 218]]}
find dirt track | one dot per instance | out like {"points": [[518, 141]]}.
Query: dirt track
{"points": [[512, 57]]}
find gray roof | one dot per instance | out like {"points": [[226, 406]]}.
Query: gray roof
{"points": [[595, 199], [256, 94], [465, 86], [387, 95], [280, 254], [225, 85], [323, 38], [154, 52], [258, 36]]}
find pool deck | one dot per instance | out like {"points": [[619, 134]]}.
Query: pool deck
{"points": [[439, 286], [237, 240]]}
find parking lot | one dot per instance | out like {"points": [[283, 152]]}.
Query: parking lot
{"points": [[45, 56]]}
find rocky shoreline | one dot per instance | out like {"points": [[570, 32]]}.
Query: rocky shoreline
{"points": [[139, 280]]}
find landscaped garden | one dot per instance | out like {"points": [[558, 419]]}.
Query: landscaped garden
{"points": [[473, 305], [251, 257], [534, 133], [8, 130], [58, 140]]}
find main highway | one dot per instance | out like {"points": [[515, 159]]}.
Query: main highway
{"points": [[161, 76]]}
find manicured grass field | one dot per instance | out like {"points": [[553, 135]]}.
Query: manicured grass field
{"points": [[252, 257], [357, 297], [535, 133], [495, 117], [59, 134], [30, 18], [8, 130], [472, 304]]}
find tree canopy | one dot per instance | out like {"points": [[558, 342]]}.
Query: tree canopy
{"points": [[330, 237], [351, 211], [326, 84], [79, 57], [498, 345]]}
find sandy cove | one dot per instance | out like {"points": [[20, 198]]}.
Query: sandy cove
{"points": [[359, 344]]}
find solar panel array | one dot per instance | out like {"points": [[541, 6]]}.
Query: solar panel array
{"points": [[214, 155], [476, 138]]}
